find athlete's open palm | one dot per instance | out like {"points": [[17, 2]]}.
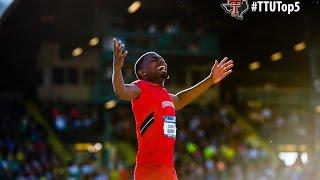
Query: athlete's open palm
{"points": [[118, 55], [221, 69]]}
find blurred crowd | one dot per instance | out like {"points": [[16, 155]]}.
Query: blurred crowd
{"points": [[214, 143], [25, 152], [70, 117], [281, 123]]}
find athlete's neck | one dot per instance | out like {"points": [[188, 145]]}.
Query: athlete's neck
{"points": [[160, 83]]}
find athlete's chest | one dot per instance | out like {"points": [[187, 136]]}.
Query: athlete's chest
{"points": [[165, 111], [161, 100]]}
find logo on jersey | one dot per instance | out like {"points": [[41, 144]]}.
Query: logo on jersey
{"points": [[167, 104]]}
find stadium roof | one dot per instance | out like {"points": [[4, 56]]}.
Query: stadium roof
{"points": [[31, 22]]}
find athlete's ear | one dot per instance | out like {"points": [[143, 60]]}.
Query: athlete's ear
{"points": [[140, 73]]}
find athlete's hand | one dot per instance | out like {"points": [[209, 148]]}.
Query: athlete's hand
{"points": [[221, 69], [118, 55]]}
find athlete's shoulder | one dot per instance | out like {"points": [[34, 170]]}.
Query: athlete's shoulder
{"points": [[140, 83], [143, 87], [137, 81]]}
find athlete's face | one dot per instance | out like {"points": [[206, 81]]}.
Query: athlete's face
{"points": [[154, 68]]}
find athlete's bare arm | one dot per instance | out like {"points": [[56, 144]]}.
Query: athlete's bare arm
{"points": [[218, 72], [123, 91]]}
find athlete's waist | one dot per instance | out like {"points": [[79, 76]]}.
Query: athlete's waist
{"points": [[155, 158], [149, 165], [156, 150]]}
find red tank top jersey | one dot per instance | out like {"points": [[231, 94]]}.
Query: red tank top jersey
{"points": [[155, 125]]}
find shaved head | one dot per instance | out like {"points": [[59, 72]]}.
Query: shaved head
{"points": [[139, 62], [151, 67]]}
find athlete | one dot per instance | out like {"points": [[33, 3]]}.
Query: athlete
{"points": [[154, 108]]}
